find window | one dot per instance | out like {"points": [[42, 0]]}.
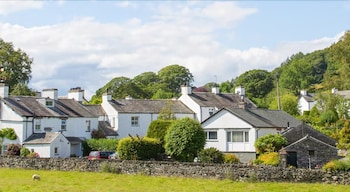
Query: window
{"points": [[37, 124], [135, 121], [113, 122], [87, 125], [311, 153], [212, 135], [56, 150], [238, 136], [49, 103], [63, 124]]}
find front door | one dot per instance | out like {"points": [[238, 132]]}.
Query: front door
{"points": [[292, 158]]}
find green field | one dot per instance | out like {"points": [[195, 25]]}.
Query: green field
{"points": [[21, 180]]}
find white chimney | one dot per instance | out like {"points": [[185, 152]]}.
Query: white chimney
{"points": [[240, 90], [215, 90], [128, 97], [4, 90], [334, 90], [106, 97], [186, 90], [303, 92], [50, 93], [76, 93]]}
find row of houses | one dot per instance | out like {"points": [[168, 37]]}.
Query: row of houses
{"points": [[56, 126]]}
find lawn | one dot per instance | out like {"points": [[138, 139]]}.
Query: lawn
{"points": [[20, 180]]}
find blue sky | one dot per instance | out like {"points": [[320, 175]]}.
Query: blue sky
{"points": [[87, 43]]}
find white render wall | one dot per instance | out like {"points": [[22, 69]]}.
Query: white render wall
{"points": [[185, 99], [303, 105]]}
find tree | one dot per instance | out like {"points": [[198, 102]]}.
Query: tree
{"points": [[270, 143], [22, 89], [158, 129], [15, 65], [257, 83], [289, 104], [184, 139], [173, 76], [166, 112], [148, 82]]}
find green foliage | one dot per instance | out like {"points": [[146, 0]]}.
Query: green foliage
{"points": [[24, 152], [166, 113], [184, 139], [289, 104], [102, 144], [270, 158], [173, 76], [13, 149], [337, 165], [110, 168], [135, 148], [257, 83], [211, 155], [8, 133], [158, 129], [344, 136], [270, 143], [328, 117], [22, 89], [16, 65], [231, 158]]}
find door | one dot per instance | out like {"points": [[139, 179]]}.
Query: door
{"points": [[292, 158]]}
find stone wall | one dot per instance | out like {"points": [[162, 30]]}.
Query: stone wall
{"points": [[238, 172]]}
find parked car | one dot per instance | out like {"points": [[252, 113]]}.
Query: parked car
{"points": [[113, 156], [99, 154]]}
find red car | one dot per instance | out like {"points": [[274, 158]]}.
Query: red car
{"points": [[99, 154]]}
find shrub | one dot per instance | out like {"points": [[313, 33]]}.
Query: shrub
{"points": [[211, 155], [103, 144], [184, 139], [108, 168], [271, 158], [158, 129], [8, 133], [13, 149], [135, 148], [270, 143], [337, 165], [33, 154], [231, 158], [24, 152]]}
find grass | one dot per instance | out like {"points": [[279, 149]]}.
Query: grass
{"points": [[20, 180]]}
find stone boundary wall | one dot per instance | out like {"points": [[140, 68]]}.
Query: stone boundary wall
{"points": [[238, 172]]}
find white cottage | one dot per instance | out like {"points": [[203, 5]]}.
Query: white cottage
{"points": [[306, 101], [31, 115], [235, 130], [133, 116]]}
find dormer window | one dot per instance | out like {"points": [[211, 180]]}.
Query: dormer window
{"points": [[49, 103]]}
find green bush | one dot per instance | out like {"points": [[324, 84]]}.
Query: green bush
{"points": [[231, 158], [24, 152], [337, 165], [103, 144], [8, 133], [270, 143], [108, 168], [211, 155], [158, 129], [184, 139], [135, 148], [271, 158]]}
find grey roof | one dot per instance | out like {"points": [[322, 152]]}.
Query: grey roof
{"points": [[148, 106], [308, 98], [219, 100], [42, 138], [106, 128], [97, 110], [29, 106], [345, 93], [75, 140], [293, 134], [303, 139], [264, 118]]}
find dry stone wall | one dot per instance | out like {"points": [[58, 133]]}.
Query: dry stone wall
{"points": [[238, 172]]}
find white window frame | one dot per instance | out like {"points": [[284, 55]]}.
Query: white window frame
{"points": [[241, 136], [135, 121], [64, 124], [209, 135], [87, 125], [37, 125]]}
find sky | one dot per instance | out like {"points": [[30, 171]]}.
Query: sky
{"points": [[88, 43]]}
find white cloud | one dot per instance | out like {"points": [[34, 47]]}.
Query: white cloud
{"points": [[7, 7], [85, 52]]}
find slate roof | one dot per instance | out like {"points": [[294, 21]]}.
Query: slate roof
{"points": [[97, 110], [293, 134], [303, 139], [106, 128], [219, 100], [74, 140], [345, 94], [28, 106], [308, 98], [148, 106], [264, 118], [42, 138]]}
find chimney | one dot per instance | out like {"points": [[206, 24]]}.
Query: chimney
{"points": [[215, 90], [128, 97], [242, 105], [303, 92], [4, 90], [186, 90], [50, 93], [240, 90], [334, 90], [106, 97], [76, 93]]}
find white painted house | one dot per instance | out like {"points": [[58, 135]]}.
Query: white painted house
{"points": [[205, 104], [235, 130], [305, 102], [40, 116], [133, 116]]}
